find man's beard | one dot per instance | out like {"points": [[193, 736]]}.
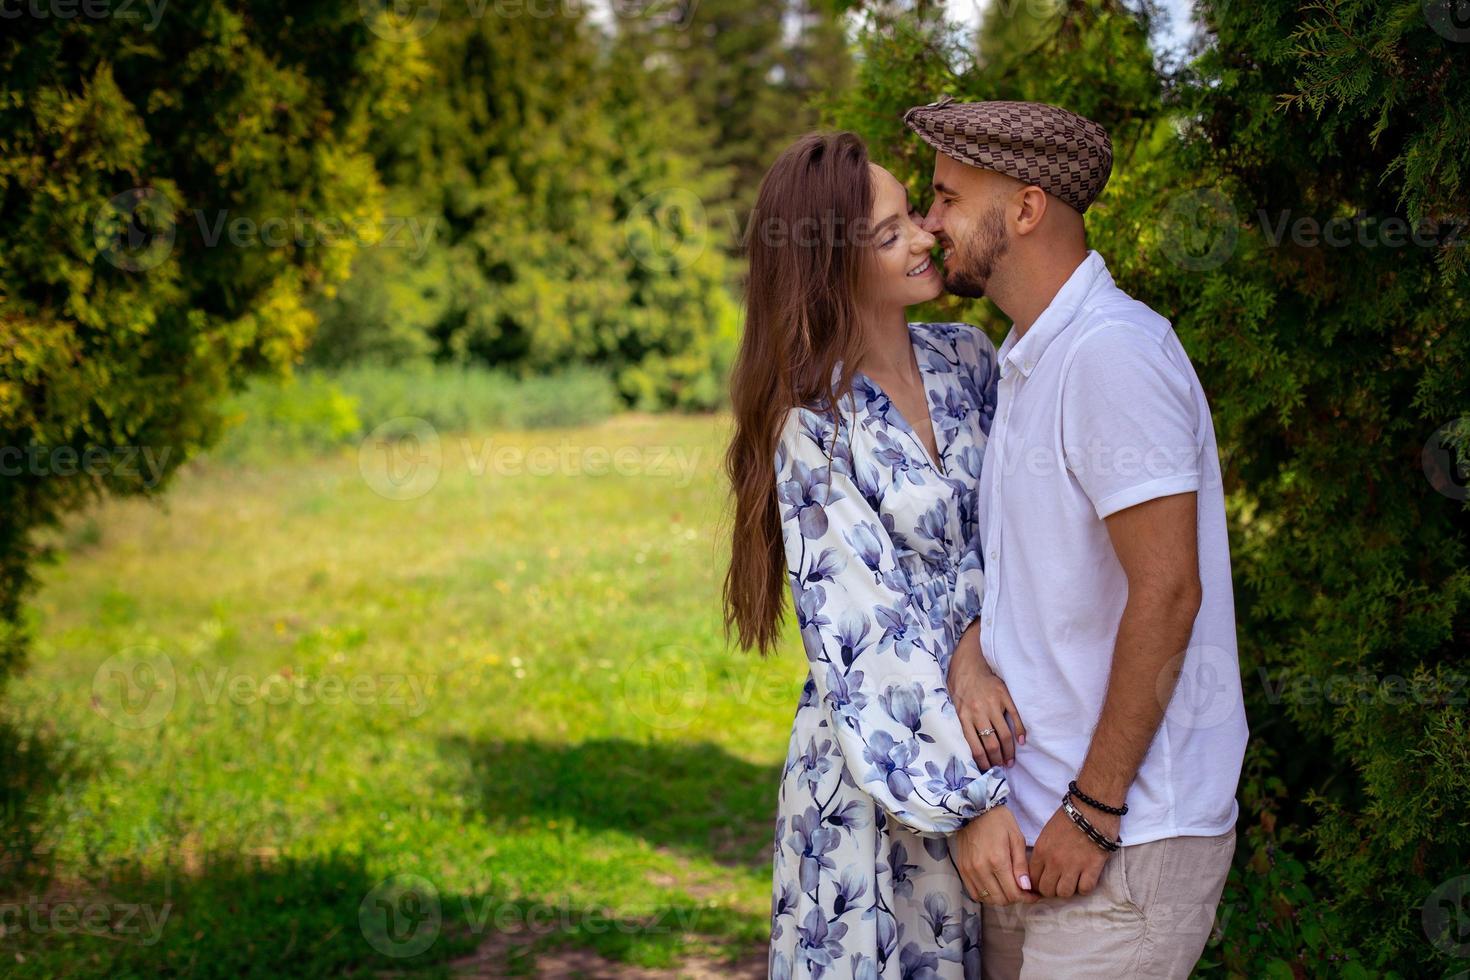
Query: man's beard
{"points": [[970, 275]]}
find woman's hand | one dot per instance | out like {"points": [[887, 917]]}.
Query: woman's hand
{"points": [[990, 854], [982, 702]]}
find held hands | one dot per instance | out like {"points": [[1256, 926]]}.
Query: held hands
{"points": [[990, 855], [982, 702], [1067, 862]]}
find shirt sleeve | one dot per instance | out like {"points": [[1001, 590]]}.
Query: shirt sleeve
{"points": [[1130, 422], [875, 672]]}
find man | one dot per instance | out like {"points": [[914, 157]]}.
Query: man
{"points": [[1107, 606]]}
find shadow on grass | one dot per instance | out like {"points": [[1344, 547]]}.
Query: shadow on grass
{"points": [[694, 798], [244, 917], [232, 915], [34, 764]]}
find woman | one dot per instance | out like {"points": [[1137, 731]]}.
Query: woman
{"points": [[855, 463]]}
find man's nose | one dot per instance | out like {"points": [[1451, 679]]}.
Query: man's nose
{"points": [[931, 222]]}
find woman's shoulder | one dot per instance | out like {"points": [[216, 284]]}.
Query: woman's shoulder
{"points": [[810, 424], [960, 336]]}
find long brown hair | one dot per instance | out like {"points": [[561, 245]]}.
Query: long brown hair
{"points": [[805, 250]]}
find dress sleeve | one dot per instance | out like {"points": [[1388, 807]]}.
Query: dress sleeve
{"points": [[877, 677], [981, 379]]}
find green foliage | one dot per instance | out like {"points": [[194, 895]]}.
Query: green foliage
{"points": [[1330, 370], [563, 179], [751, 70], [127, 149], [315, 411]]}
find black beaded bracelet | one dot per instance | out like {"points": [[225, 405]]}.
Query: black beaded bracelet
{"points": [[1083, 824], [1116, 811]]}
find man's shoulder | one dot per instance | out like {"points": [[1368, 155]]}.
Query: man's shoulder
{"points": [[1126, 318], [1118, 327]]}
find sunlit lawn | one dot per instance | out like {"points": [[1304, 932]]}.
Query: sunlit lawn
{"points": [[278, 687]]}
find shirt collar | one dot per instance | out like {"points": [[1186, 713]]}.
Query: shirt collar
{"points": [[1024, 353]]}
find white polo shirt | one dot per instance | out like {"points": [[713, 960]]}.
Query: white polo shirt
{"points": [[1099, 409]]}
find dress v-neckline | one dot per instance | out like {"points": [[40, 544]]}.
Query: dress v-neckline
{"points": [[937, 467]]}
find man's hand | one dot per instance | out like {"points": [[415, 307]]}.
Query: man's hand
{"points": [[982, 701], [1065, 861]]}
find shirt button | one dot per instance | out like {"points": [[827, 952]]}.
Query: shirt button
{"points": [[994, 555]]}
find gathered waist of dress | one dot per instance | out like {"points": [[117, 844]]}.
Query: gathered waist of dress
{"points": [[925, 573]]}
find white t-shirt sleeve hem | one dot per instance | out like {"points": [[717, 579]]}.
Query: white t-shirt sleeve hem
{"points": [[1162, 487]]}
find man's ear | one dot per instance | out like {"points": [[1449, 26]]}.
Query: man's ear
{"points": [[1031, 209]]}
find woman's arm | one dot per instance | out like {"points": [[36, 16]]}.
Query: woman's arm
{"points": [[983, 703]]}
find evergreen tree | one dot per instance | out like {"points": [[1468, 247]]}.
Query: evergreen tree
{"points": [[561, 172], [173, 193]]}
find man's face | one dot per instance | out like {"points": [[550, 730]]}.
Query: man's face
{"points": [[968, 219]]}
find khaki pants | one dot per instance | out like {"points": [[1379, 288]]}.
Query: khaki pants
{"points": [[1149, 916]]}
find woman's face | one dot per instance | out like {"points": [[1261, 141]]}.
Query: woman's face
{"points": [[901, 271]]}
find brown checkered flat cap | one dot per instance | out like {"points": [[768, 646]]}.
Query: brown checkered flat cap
{"points": [[1058, 151]]}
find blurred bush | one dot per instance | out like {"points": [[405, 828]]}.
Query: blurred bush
{"points": [[316, 410]]}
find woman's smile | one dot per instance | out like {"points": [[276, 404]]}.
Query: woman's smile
{"points": [[923, 268]]}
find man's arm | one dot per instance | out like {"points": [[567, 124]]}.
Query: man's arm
{"points": [[1157, 544]]}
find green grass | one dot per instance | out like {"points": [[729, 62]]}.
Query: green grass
{"points": [[253, 702]]}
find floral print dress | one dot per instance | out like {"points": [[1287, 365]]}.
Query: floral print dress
{"points": [[885, 578]]}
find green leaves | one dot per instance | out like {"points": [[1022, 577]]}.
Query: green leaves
{"points": [[165, 187]]}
